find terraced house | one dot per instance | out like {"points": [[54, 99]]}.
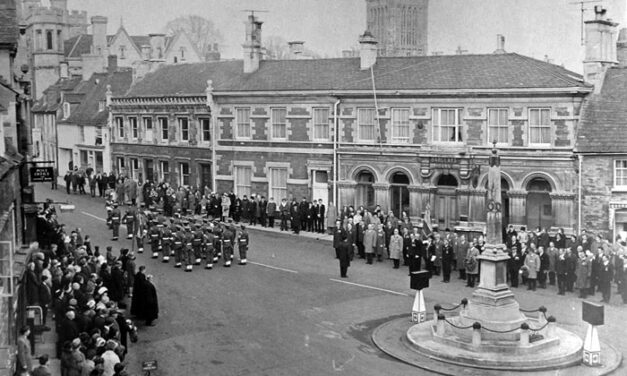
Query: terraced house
{"points": [[408, 133]]}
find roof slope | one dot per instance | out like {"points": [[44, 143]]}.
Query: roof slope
{"points": [[95, 89], [51, 100], [490, 71], [8, 24], [603, 125]]}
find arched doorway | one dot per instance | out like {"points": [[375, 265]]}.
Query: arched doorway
{"points": [[364, 192], [539, 209], [399, 194], [504, 201], [446, 201]]}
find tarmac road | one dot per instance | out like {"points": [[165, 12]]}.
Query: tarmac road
{"points": [[288, 312]]}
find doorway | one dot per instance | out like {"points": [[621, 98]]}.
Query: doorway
{"points": [[399, 194], [205, 175], [539, 208], [446, 201], [320, 185], [364, 192]]}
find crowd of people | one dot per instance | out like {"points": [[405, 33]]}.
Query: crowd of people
{"points": [[87, 292]]}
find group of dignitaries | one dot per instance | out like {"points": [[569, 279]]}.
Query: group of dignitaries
{"points": [[537, 258], [190, 240]]}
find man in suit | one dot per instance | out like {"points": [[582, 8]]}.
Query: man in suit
{"points": [[24, 359], [320, 217]]}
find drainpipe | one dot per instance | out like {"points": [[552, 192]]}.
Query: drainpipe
{"points": [[335, 141], [579, 199]]}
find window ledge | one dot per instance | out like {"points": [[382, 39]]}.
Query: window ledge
{"points": [[619, 189]]}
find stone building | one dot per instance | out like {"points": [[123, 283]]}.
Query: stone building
{"points": [[17, 225], [400, 26], [601, 147], [419, 143]]}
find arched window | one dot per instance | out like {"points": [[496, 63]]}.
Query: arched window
{"points": [[49, 44], [399, 194], [447, 180], [364, 194]]}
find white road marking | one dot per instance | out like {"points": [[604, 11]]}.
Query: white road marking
{"points": [[370, 287], [273, 267], [94, 216]]}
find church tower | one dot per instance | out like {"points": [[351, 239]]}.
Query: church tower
{"points": [[400, 26]]}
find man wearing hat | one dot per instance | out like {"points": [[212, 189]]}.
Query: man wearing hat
{"points": [[242, 243], [155, 239], [42, 369], [166, 243], [209, 240], [197, 244], [178, 246], [115, 221]]}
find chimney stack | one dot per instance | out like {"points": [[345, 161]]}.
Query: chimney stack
{"points": [[99, 32], [600, 47], [157, 44], [252, 45], [112, 63], [621, 48], [64, 70], [500, 44], [58, 4], [367, 50], [296, 49]]}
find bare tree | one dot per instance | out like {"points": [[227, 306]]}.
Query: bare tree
{"points": [[200, 30]]}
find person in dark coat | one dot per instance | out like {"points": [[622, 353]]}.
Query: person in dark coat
{"points": [[151, 303], [137, 303], [117, 287], [338, 235], [606, 274], [295, 217], [33, 284], [344, 254], [448, 257], [545, 263]]}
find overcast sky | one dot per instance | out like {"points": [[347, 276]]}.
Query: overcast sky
{"points": [[532, 27]]}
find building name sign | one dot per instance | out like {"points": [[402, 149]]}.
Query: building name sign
{"points": [[444, 162], [41, 174]]}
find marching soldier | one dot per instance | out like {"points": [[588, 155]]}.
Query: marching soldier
{"points": [[142, 223], [242, 242], [227, 245], [209, 249], [178, 246], [217, 245], [130, 218], [166, 243], [115, 221], [188, 254], [197, 242], [155, 235], [109, 208]]}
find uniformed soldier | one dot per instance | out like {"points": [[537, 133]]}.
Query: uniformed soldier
{"points": [[228, 236], [142, 228], [178, 246], [109, 208], [242, 243], [130, 218], [115, 221], [217, 245], [166, 243], [155, 239], [197, 242], [209, 246], [187, 246]]}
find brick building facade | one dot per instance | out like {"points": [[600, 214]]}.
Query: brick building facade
{"points": [[418, 143]]}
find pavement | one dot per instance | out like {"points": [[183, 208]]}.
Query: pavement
{"points": [[287, 312]]}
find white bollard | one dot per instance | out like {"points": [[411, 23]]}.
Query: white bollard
{"points": [[419, 310], [592, 347]]}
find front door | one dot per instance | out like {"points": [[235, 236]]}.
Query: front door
{"points": [[205, 175], [320, 186], [539, 210], [399, 200], [446, 208], [149, 170]]}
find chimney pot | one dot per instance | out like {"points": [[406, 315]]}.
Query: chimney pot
{"points": [[296, 49]]}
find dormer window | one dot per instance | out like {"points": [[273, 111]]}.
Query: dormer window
{"points": [[101, 106], [122, 51], [66, 110]]}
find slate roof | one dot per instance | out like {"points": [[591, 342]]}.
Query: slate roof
{"points": [[51, 99], [9, 31], [86, 113], [490, 71], [603, 124]]}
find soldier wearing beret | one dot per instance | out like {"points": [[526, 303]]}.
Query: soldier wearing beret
{"points": [[228, 237], [188, 253], [178, 246], [115, 221]]}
